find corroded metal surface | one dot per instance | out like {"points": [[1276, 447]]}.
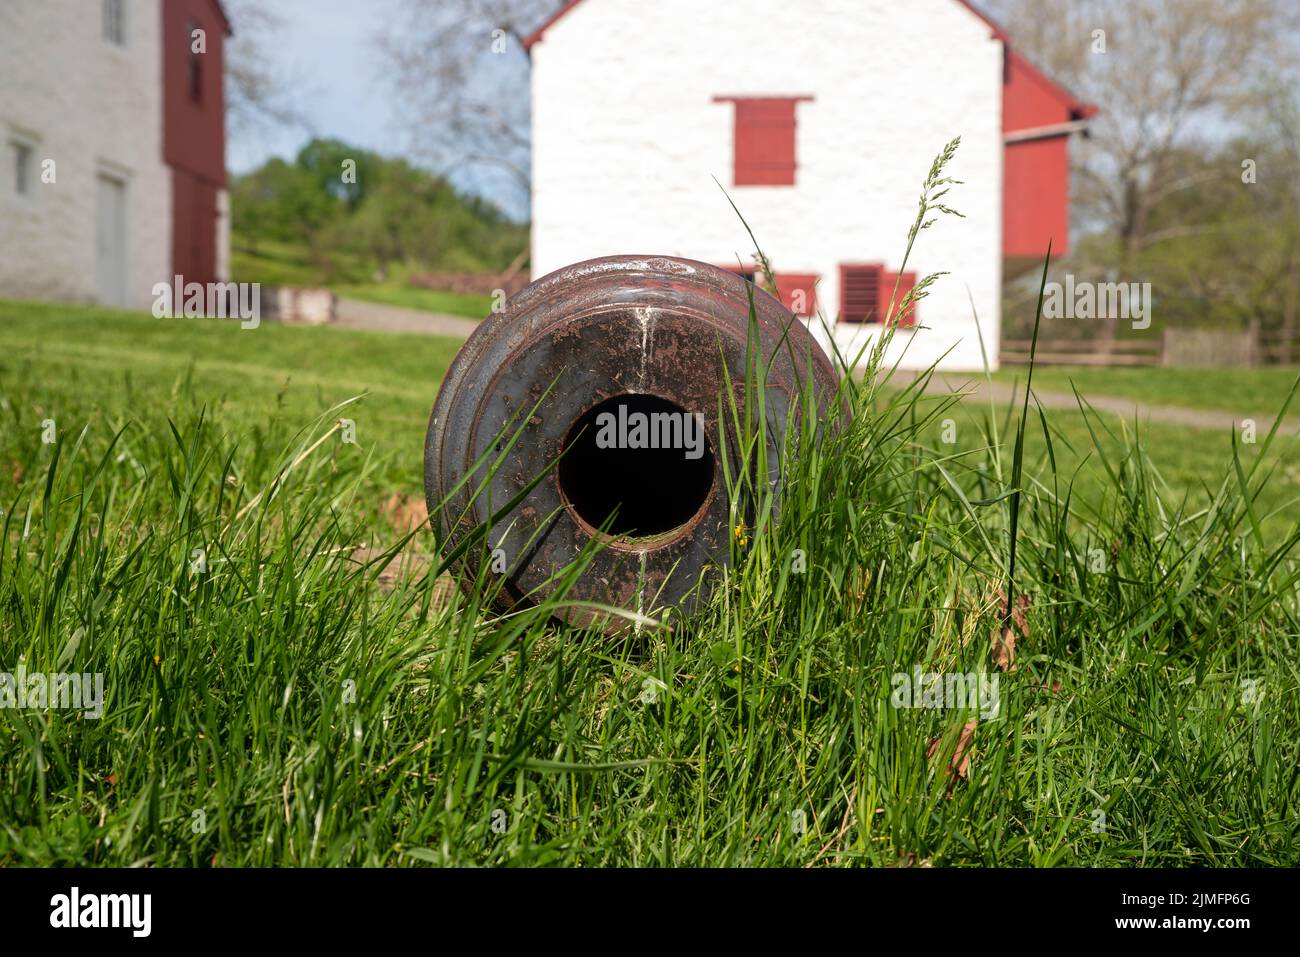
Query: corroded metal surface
{"points": [[653, 330]]}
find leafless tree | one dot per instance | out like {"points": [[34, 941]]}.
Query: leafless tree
{"points": [[257, 92], [460, 80], [1166, 74]]}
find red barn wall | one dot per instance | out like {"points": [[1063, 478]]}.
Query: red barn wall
{"points": [[194, 134], [1036, 172]]}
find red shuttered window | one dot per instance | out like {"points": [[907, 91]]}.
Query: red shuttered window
{"points": [[860, 293], [764, 139], [866, 291], [798, 292], [903, 316]]}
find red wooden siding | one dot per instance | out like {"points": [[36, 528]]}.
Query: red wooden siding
{"points": [[798, 292], [194, 131], [1036, 198], [866, 290], [764, 140], [194, 233], [1036, 165]]}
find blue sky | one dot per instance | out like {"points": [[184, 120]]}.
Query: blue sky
{"points": [[329, 59], [328, 54]]}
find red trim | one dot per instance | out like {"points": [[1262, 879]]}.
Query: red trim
{"points": [[536, 35], [1078, 109], [221, 15], [1031, 99], [725, 98], [998, 32]]}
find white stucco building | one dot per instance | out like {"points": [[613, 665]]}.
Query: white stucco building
{"points": [[821, 119], [112, 165]]}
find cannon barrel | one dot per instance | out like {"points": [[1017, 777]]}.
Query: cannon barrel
{"points": [[619, 364]]}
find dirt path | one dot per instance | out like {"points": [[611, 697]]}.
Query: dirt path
{"points": [[356, 314], [1001, 393]]}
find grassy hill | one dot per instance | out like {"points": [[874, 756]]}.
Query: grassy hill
{"points": [[286, 264], [361, 224]]}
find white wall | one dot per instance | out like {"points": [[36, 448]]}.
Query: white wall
{"points": [[90, 106], [626, 143], [223, 235]]}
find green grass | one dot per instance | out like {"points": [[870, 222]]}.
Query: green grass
{"points": [[1186, 465], [103, 368], [283, 708], [283, 264], [1242, 392]]}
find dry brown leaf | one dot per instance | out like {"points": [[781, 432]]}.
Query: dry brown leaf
{"points": [[1004, 650], [959, 765], [405, 513], [406, 565], [909, 859], [1004, 642], [1019, 614], [857, 586]]}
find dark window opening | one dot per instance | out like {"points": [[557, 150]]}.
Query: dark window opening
{"points": [[194, 66], [22, 168], [114, 22]]}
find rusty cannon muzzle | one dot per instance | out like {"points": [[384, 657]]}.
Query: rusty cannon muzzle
{"points": [[595, 406]]}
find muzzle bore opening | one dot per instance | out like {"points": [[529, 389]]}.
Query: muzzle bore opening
{"points": [[641, 459]]}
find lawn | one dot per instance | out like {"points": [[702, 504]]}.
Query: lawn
{"points": [[1252, 392], [282, 264], [103, 368], [194, 532]]}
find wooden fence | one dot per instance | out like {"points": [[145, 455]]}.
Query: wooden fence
{"points": [[1084, 352], [1194, 348]]}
